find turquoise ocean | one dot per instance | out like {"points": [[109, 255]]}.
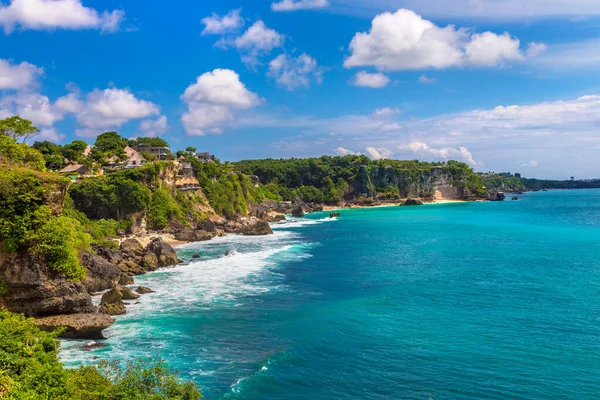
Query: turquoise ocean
{"points": [[453, 301]]}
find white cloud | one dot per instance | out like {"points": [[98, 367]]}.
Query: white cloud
{"points": [[488, 49], [378, 153], [294, 5], [32, 106], [341, 151], [293, 73], [150, 127], [405, 41], [18, 76], [213, 99], [386, 112], [481, 9], [217, 25], [446, 153], [49, 134], [427, 80], [372, 80], [57, 14], [532, 164], [535, 49], [565, 56], [258, 40]]}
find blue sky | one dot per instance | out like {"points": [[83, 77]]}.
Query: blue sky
{"points": [[506, 85]]}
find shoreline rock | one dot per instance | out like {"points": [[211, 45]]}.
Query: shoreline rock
{"points": [[77, 326]]}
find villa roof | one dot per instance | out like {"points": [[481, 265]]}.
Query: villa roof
{"points": [[187, 181], [72, 168], [133, 155]]}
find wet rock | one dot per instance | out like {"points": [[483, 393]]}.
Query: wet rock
{"points": [[164, 252], [132, 267], [93, 346], [127, 294], [298, 212], [257, 229], [195, 256], [150, 262], [126, 280], [413, 202], [77, 326], [112, 303], [101, 274], [132, 245], [334, 215], [275, 218], [144, 290]]}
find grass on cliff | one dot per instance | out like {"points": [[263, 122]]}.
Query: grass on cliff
{"points": [[30, 370]]}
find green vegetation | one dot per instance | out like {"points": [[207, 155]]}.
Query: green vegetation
{"points": [[108, 145], [17, 128], [162, 208], [331, 179], [20, 154], [149, 141], [30, 370]]}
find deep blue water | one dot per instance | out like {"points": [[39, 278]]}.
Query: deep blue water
{"points": [[452, 301]]}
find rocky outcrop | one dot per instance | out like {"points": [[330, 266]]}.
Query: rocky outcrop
{"points": [[77, 326], [144, 290], [413, 202], [112, 303], [334, 215], [127, 294], [298, 212], [34, 289], [257, 229], [132, 246], [191, 235], [494, 195], [101, 274], [164, 252]]}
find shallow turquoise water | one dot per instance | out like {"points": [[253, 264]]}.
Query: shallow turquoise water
{"points": [[456, 301]]}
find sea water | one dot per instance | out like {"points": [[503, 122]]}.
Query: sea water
{"points": [[453, 301]]}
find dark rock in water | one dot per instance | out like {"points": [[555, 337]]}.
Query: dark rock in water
{"points": [[258, 228], [93, 346], [190, 235], [298, 212], [77, 326], [494, 195], [164, 252], [515, 198], [207, 225], [317, 207], [132, 245], [127, 294], [196, 256], [144, 290], [413, 202], [275, 218], [501, 196], [150, 262], [126, 280], [334, 215], [112, 303], [34, 289], [101, 274]]}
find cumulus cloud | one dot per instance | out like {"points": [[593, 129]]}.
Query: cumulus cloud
{"points": [[151, 127], [217, 25], [213, 99], [294, 5], [406, 41], [256, 41], [32, 106], [378, 153], [386, 112], [341, 151], [294, 72], [373, 80], [446, 153], [57, 14], [18, 76]]}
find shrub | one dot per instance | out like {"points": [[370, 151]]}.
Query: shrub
{"points": [[162, 208]]}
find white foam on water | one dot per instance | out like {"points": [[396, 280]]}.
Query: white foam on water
{"points": [[293, 222]]}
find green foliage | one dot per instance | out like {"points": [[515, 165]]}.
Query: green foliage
{"points": [[20, 154], [190, 149], [27, 223], [111, 196], [162, 208], [30, 370], [3, 288], [17, 128], [149, 141], [109, 144]]}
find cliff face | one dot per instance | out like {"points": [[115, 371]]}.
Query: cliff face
{"points": [[431, 183], [33, 289]]}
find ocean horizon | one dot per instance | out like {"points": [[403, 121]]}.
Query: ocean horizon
{"points": [[492, 300]]}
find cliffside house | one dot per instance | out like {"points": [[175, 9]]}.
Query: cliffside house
{"points": [[161, 153], [75, 171], [134, 158], [205, 157], [187, 183]]}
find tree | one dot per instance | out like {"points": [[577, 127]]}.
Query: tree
{"points": [[149, 141], [572, 178], [109, 144], [74, 150], [190, 149], [18, 128]]}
